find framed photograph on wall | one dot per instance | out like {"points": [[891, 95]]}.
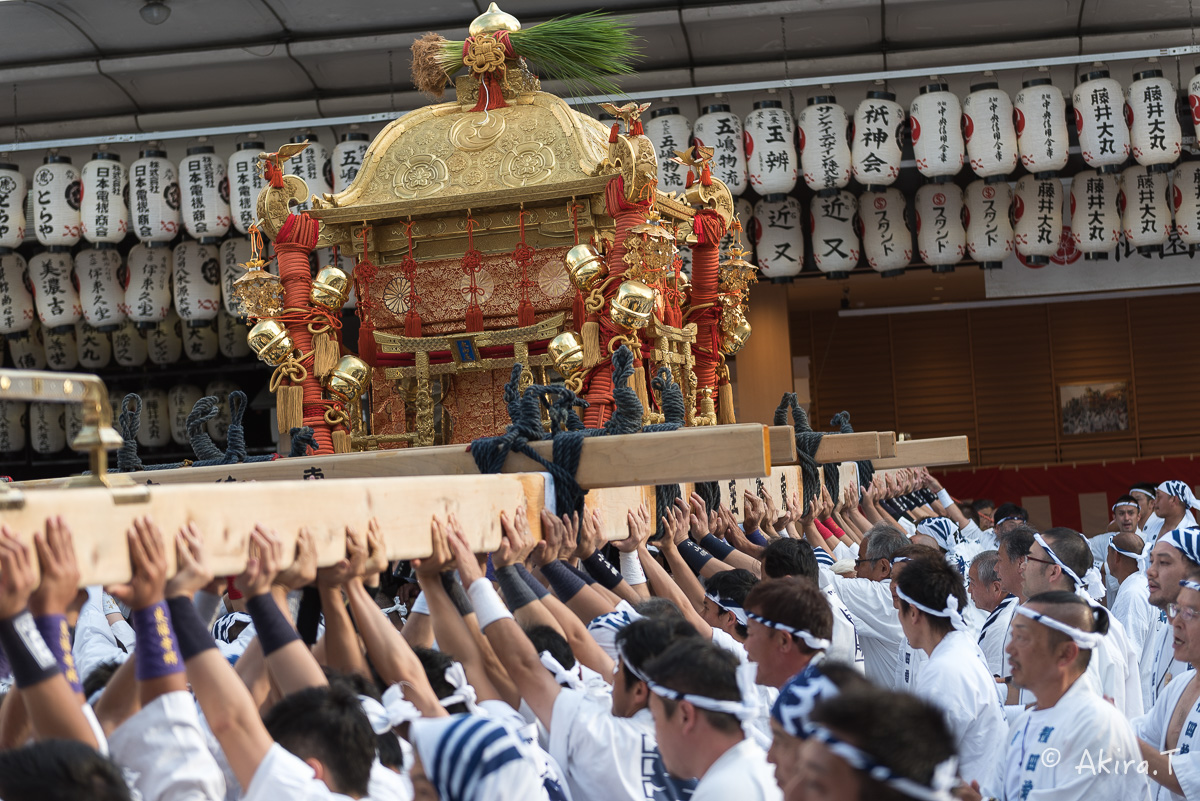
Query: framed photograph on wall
{"points": [[1094, 408]]}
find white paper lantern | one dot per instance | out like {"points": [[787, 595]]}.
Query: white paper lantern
{"points": [[53, 290], [1186, 191], [204, 193], [1146, 214], [312, 164], [16, 301], [669, 131], [231, 336], [1041, 115], [218, 426], [200, 342], [245, 183], [148, 290], [989, 131], [1100, 121], [1037, 218], [56, 194], [196, 280], [30, 219], [771, 162], [348, 155], [100, 291], [154, 197], [164, 341], [721, 129], [834, 239], [824, 148], [941, 239], [936, 120], [73, 419], [28, 350], [778, 237], [13, 416], [1095, 214], [876, 146], [62, 349], [887, 243], [47, 427], [95, 347], [1194, 99], [127, 218], [181, 398], [234, 253], [129, 345], [1155, 136], [12, 206], [155, 428], [102, 212], [989, 231]]}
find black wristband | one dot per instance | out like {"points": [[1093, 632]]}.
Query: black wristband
{"points": [[563, 581], [191, 634], [581, 574], [31, 659], [695, 556], [534, 585], [602, 571], [514, 589], [716, 546], [457, 594], [274, 630]]}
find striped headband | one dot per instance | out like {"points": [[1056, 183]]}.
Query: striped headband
{"points": [[1191, 585], [951, 610], [744, 710], [1186, 541], [942, 529], [1113, 545], [729, 606], [1092, 582], [1119, 504], [1180, 490], [815, 643], [797, 699], [1086, 640], [997, 523], [945, 775], [460, 753]]}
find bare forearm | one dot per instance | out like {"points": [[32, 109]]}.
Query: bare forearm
{"points": [[342, 651], [391, 655]]}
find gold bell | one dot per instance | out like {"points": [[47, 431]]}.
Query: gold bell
{"points": [[270, 340], [585, 267], [734, 339], [492, 21], [330, 289], [632, 306], [348, 380], [566, 350]]}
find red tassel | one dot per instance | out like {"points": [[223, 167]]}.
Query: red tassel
{"points": [[636, 129], [367, 350], [412, 323], [612, 135], [474, 318], [524, 313], [578, 312]]}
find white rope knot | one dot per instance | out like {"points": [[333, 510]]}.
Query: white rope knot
{"points": [[1086, 640], [951, 611], [394, 711], [564, 677], [464, 693]]}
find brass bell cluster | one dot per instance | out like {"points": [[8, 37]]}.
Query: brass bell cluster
{"points": [[566, 351], [271, 342], [633, 305], [330, 289], [348, 381]]}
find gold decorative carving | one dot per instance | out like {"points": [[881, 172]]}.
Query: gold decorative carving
{"points": [[527, 164], [421, 175], [476, 131]]}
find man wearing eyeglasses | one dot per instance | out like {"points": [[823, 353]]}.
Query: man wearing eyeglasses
{"points": [[1173, 558]]}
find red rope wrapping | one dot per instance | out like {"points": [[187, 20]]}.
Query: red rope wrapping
{"points": [[598, 384], [294, 243], [523, 255], [709, 228]]}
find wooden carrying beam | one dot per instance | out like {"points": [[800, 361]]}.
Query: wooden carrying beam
{"points": [[833, 448], [783, 445], [887, 444], [708, 453], [926, 453]]}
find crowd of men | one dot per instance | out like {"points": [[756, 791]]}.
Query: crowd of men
{"points": [[890, 644]]}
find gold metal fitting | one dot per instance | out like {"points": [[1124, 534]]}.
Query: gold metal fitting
{"points": [[492, 21], [735, 338], [348, 380], [270, 340], [566, 350], [330, 289], [585, 267], [633, 305]]}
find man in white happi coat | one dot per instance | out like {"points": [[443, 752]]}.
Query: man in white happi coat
{"points": [[1172, 559], [1131, 603], [988, 593]]}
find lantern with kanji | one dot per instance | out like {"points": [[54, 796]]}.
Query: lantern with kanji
{"points": [[95, 348], [164, 340], [1155, 136], [1186, 189], [937, 140], [62, 348], [245, 182], [941, 239], [1100, 121], [1037, 218], [231, 336], [47, 427], [778, 237], [348, 156], [989, 231], [200, 342], [771, 162], [56, 193], [1095, 213], [181, 398], [196, 280], [102, 209], [28, 350], [12, 206], [204, 193], [16, 301], [669, 131], [13, 415], [1146, 212], [235, 253], [721, 129], [834, 240], [824, 148], [313, 165], [989, 131], [155, 428], [875, 150], [1041, 117], [101, 294], [57, 301], [129, 345], [1194, 99], [154, 197], [148, 291], [887, 243]]}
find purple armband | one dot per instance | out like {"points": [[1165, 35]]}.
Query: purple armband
{"points": [[157, 654], [32, 660], [57, 636]]}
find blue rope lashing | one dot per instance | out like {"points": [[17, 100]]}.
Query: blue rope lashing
{"points": [[807, 442], [235, 443], [130, 420], [302, 438], [627, 407], [866, 469], [204, 410]]}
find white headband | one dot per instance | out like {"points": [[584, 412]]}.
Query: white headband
{"points": [[815, 643], [1086, 640], [951, 610], [1113, 545], [1119, 504], [744, 710], [564, 677], [738, 612], [1092, 582], [945, 775], [464, 693], [394, 711], [1145, 492]]}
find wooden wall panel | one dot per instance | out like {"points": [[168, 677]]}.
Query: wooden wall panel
{"points": [[1014, 394], [931, 360], [1166, 367], [851, 370]]}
